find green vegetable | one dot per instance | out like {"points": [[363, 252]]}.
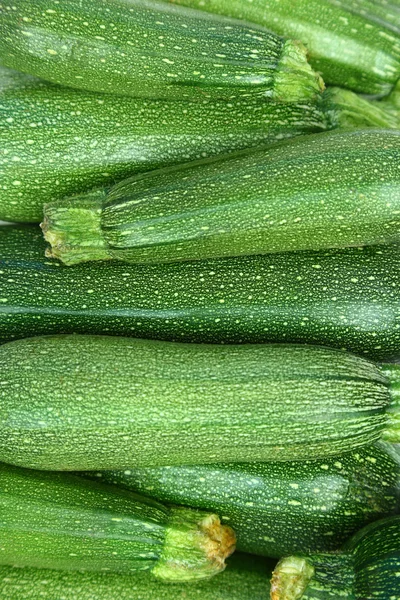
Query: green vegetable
{"points": [[151, 49], [246, 577], [367, 569], [328, 190], [88, 403], [352, 49], [277, 509], [56, 142], [60, 521], [346, 298], [383, 12]]}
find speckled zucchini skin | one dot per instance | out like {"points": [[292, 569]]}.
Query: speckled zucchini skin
{"points": [[247, 577], [366, 569], [87, 403], [351, 48], [56, 142], [281, 508], [346, 298], [146, 48], [60, 521], [334, 189]]}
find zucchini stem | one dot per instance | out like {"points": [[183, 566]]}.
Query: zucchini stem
{"points": [[73, 229], [290, 578], [295, 80], [196, 546]]}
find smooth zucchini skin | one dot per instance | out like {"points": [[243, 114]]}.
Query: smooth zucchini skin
{"points": [[345, 298], [334, 189], [60, 521], [56, 142], [278, 509], [246, 578], [350, 48], [94, 403], [151, 49]]}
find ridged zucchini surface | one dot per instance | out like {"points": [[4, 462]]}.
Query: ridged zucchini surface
{"points": [[151, 49], [346, 42], [345, 298], [280, 508], [246, 577], [57, 141], [334, 189], [366, 569], [60, 521], [95, 402]]}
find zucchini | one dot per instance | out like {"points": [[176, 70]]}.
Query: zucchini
{"points": [[247, 577], [278, 509], [346, 298], [382, 12], [350, 48], [96, 140], [85, 403], [366, 569], [152, 49], [333, 189], [60, 521]]}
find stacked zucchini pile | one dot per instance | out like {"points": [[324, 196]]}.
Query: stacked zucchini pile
{"points": [[198, 351]]}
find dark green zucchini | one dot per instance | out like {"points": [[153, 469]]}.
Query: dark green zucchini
{"points": [[346, 298], [56, 142], [246, 578], [151, 49], [278, 509], [87, 403], [333, 189], [350, 48], [60, 521], [366, 569]]}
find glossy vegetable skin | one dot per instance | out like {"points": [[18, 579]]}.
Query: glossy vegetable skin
{"points": [[88, 403], [277, 509], [345, 298], [246, 577], [59, 521], [57, 141], [346, 41], [151, 49], [366, 569], [334, 189]]}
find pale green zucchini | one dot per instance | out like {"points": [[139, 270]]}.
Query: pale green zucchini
{"points": [[60, 521], [281, 508], [334, 189], [145, 48], [351, 48], [56, 142], [87, 403], [366, 569], [247, 577]]}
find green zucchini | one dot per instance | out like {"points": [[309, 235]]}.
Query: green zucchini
{"points": [[247, 577], [151, 49], [56, 142], [345, 298], [278, 509], [60, 521], [85, 403], [366, 569], [333, 189], [382, 12], [349, 49]]}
